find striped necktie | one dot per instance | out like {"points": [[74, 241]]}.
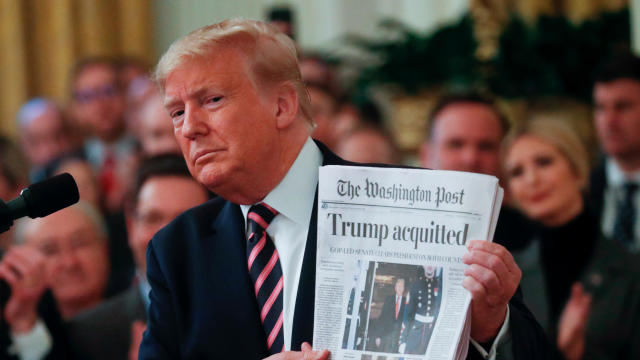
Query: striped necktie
{"points": [[266, 274]]}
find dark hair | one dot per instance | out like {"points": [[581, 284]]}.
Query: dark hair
{"points": [[156, 166], [325, 89], [82, 64], [470, 97], [622, 66], [370, 113], [280, 13]]}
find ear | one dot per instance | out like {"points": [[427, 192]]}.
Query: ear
{"points": [[424, 154], [286, 105]]}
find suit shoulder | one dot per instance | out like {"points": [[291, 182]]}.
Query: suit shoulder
{"points": [[189, 224]]}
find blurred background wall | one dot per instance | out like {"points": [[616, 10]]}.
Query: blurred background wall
{"points": [[41, 39]]}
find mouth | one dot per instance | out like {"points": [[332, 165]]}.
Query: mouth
{"points": [[200, 155], [536, 198]]}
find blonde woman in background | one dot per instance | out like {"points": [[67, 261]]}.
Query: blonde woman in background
{"points": [[584, 289]]}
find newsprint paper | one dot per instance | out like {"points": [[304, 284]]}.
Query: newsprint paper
{"points": [[389, 268]]}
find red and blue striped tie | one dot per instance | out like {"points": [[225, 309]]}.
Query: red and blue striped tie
{"points": [[266, 274]]}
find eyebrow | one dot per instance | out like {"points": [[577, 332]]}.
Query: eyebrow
{"points": [[198, 92]]}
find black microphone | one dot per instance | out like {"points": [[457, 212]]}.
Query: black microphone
{"points": [[40, 199]]}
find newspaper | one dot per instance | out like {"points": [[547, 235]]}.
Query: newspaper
{"points": [[389, 268]]}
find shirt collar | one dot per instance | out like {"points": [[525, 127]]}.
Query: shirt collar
{"points": [[291, 196], [615, 175]]}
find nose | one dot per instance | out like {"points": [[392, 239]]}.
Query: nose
{"points": [[194, 123], [68, 259], [471, 158], [608, 117], [531, 176]]}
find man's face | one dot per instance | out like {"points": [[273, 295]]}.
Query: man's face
{"points": [[98, 104], [323, 108], [43, 138], [161, 199], [429, 272], [76, 257], [155, 130], [366, 147], [617, 117], [225, 126], [399, 287], [465, 137]]}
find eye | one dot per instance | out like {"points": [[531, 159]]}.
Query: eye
{"points": [[487, 146], [49, 249], [455, 144], [177, 113], [214, 100], [544, 161], [515, 171]]}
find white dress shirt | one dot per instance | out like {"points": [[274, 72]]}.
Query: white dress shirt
{"points": [[293, 199], [33, 345], [613, 195]]}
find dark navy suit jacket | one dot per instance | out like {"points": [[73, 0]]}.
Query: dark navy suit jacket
{"points": [[203, 305]]}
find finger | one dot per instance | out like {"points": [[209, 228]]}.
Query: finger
{"points": [[493, 296], [577, 291], [323, 355], [487, 277], [498, 250], [18, 266], [29, 255], [287, 355], [579, 298], [489, 261], [9, 275], [306, 347], [478, 292]]}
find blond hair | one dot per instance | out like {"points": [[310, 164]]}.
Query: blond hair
{"points": [[271, 54], [558, 134]]}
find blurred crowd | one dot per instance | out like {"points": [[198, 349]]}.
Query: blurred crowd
{"points": [[77, 277]]}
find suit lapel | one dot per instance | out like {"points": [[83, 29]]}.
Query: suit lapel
{"points": [[229, 237], [303, 318], [305, 299], [229, 291]]}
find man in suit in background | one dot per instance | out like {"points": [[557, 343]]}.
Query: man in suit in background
{"points": [[389, 322], [614, 183], [163, 190], [464, 134], [240, 281]]}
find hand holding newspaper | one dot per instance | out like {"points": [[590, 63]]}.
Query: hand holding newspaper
{"points": [[389, 260]]}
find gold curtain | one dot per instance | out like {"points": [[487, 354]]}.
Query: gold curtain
{"points": [[490, 16], [41, 39]]}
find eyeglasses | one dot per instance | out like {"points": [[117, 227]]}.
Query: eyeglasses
{"points": [[102, 92]]}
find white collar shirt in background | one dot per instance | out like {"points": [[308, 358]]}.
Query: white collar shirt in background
{"points": [[613, 195]]}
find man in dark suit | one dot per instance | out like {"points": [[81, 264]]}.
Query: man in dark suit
{"points": [[241, 116], [464, 134], [389, 322], [615, 183]]}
